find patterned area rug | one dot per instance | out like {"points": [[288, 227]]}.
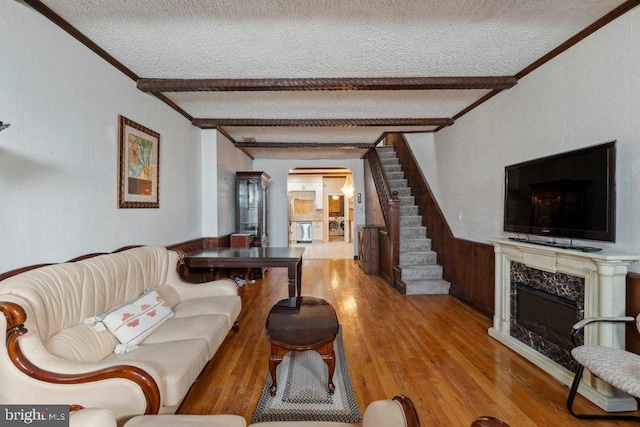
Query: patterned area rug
{"points": [[302, 393]]}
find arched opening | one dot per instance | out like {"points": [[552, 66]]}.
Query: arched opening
{"points": [[320, 211]]}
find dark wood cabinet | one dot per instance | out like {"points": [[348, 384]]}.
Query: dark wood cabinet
{"points": [[241, 240], [368, 250], [252, 205]]}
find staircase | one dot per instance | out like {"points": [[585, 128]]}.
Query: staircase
{"points": [[420, 271]]}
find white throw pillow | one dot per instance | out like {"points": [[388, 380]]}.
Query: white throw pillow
{"points": [[133, 321]]}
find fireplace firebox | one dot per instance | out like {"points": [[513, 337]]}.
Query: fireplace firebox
{"points": [[549, 316]]}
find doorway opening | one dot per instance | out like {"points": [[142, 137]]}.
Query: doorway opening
{"points": [[320, 213]]}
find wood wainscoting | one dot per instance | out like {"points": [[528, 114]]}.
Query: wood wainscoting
{"points": [[188, 246], [199, 276], [468, 266], [471, 273]]}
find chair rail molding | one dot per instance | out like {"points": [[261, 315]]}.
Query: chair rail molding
{"points": [[604, 275]]}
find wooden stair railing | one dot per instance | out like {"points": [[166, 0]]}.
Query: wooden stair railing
{"points": [[390, 205]]}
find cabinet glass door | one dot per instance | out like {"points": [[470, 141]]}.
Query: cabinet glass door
{"points": [[248, 205], [251, 205], [265, 211]]}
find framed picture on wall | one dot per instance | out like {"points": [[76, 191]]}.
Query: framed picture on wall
{"points": [[138, 165]]}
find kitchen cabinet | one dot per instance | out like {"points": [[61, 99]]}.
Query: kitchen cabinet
{"points": [[319, 195], [317, 232], [301, 186]]}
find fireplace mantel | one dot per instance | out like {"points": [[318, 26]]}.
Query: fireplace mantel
{"points": [[604, 275]]}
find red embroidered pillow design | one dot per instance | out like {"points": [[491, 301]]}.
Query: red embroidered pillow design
{"points": [[133, 321]]}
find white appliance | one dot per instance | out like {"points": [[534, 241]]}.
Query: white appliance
{"points": [[335, 228]]}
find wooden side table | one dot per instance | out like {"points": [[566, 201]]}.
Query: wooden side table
{"points": [[308, 324]]}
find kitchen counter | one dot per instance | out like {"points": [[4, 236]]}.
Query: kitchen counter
{"points": [[317, 229], [305, 218]]}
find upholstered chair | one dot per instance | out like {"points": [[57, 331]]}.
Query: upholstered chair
{"points": [[617, 367]]}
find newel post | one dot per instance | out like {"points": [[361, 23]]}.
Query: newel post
{"points": [[394, 233]]}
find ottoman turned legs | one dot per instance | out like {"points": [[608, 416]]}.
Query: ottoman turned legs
{"points": [[301, 324], [277, 355]]}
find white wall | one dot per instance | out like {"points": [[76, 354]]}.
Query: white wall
{"points": [[209, 183], [58, 160], [424, 150], [278, 171], [588, 95], [230, 160], [220, 161]]}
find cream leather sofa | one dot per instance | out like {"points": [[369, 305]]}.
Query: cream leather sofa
{"points": [[396, 412], [57, 358]]}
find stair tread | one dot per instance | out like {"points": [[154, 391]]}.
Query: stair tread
{"points": [[407, 266], [422, 267], [427, 287], [417, 255], [441, 283], [425, 251], [418, 282]]}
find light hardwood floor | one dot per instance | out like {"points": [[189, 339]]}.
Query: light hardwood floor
{"points": [[332, 249], [433, 349]]}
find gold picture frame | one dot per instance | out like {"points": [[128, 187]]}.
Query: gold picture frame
{"points": [[138, 165]]}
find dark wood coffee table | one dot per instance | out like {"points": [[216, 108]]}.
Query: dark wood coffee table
{"points": [[309, 324]]}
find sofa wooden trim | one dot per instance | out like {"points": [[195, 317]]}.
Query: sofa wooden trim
{"points": [[16, 317], [17, 271], [409, 409], [180, 266]]}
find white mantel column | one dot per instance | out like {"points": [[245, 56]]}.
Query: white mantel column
{"points": [[604, 276], [501, 307]]}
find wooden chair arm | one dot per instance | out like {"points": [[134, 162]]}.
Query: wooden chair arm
{"points": [[409, 409], [180, 266], [488, 422]]}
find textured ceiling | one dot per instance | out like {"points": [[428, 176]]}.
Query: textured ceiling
{"points": [[330, 104], [276, 39]]}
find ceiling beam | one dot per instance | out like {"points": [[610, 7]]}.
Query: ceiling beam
{"points": [[339, 84], [303, 145], [335, 170], [400, 122]]}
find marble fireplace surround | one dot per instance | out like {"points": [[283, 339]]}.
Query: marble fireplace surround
{"points": [[604, 275], [548, 332]]}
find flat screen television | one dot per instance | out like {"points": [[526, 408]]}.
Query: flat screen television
{"points": [[568, 195]]}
